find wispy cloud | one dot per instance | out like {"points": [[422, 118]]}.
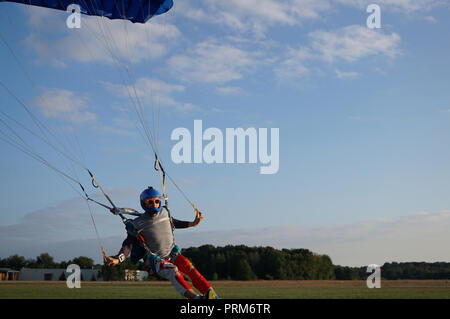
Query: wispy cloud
{"points": [[146, 88], [353, 42], [404, 6], [68, 219], [345, 45], [294, 64], [229, 90], [253, 16], [346, 75], [98, 40], [257, 17], [214, 62], [65, 105], [430, 19], [416, 237], [154, 92]]}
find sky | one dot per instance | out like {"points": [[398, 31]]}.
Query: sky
{"points": [[363, 118]]}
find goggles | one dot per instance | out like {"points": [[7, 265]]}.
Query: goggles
{"points": [[149, 202]]}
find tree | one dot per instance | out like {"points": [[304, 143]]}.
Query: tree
{"points": [[83, 262], [15, 262], [45, 261], [244, 271]]}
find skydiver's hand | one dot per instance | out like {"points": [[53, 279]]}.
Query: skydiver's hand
{"points": [[197, 219], [111, 261]]}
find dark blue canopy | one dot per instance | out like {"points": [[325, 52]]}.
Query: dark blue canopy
{"points": [[134, 10]]}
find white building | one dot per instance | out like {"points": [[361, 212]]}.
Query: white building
{"points": [[58, 274], [135, 275]]}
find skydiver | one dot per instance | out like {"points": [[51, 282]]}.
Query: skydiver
{"points": [[150, 237]]}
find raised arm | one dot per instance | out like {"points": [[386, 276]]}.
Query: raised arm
{"points": [[185, 224]]}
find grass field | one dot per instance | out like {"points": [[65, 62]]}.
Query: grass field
{"points": [[408, 289]]}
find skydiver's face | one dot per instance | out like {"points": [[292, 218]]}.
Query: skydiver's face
{"points": [[152, 202]]}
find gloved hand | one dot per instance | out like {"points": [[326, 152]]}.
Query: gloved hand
{"points": [[111, 261]]}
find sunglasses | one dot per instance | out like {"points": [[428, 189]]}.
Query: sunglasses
{"points": [[152, 201]]}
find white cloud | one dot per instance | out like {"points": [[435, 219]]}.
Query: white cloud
{"points": [[148, 88], [294, 64], [213, 62], [405, 6], [416, 237], [431, 19], [256, 17], [116, 130], [353, 42], [66, 220], [349, 45], [152, 92], [229, 90], [346, 75], [253, 16], [64, 105], [98, 40]]}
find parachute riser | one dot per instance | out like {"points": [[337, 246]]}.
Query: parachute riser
{"points": [[114, 210], [162, 175]]}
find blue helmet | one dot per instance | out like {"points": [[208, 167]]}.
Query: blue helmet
{"points": [[150, 192]]}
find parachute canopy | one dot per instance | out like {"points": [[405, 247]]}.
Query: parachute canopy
{"points": [[139, 11]]}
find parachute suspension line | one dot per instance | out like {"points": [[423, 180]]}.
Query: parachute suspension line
{"points": [[137, 105], [162, 173], [96, 230], [42, 128], [108, 46], [118, 66], [27, 73], [162, 177], [33, 154], [23, 148], [43, 139], [28, 150], [114, 209], [97, 185], [160, 82], [147, 29], [140, 114], [140, 110], [5, 9], [36, 156]]}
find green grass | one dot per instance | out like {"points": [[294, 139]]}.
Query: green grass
{"points": [[228, 290]]}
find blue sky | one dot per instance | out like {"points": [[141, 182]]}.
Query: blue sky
{"points": [[363, 117]]}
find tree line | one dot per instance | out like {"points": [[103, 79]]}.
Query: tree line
{"points": [[395, 270], [251, 263]]}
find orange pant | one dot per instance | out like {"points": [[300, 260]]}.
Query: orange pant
{"points": [[173, 269]]}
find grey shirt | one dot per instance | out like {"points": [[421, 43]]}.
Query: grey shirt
{"points": [[156, 231]]}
